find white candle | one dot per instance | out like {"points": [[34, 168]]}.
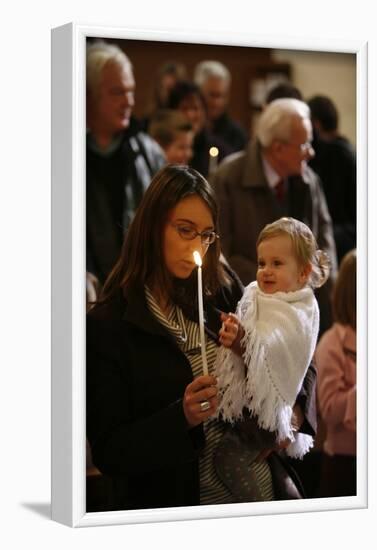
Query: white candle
{"points": [[198, 261], [213, 154]]}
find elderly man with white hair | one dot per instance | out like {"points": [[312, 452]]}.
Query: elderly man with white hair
{"points": [[120, 160], [214, 80], [268, 180]]}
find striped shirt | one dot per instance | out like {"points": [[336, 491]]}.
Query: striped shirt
{"points": [[187, 335]]}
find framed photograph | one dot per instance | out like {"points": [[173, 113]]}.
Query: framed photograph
{"points": [[335, 69]]}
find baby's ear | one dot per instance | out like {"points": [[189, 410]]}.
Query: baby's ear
{"points": [[305, 272]]}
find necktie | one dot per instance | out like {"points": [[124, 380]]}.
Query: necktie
{"points": [[279, 190]]}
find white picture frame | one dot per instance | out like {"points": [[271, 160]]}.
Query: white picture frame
{"points": [[68, 279]]}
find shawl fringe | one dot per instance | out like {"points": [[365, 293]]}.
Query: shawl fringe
{"points": [[249, 383]]}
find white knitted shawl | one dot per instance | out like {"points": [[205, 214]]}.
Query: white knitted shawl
{"points": [[281, 331]]}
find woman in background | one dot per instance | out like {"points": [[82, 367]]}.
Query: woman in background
{"points": [[187, 98], [336, 365]]}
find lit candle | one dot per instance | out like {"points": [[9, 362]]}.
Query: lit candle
{"points": [[213, 154], [198, 261]]}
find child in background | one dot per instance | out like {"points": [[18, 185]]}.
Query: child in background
{"points": [[336, 364], [175, 135], [267, 348]]}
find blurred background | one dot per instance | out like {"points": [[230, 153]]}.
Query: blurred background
{"points": [[255, 71]]}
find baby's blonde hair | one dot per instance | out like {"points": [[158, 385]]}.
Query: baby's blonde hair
{"points": [[305, 247]]}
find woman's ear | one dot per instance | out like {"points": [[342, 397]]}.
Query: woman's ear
{"points": [[305, 273]]}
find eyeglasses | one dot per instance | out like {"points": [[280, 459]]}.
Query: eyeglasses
{"points": [[304, 147], [189, 234]]}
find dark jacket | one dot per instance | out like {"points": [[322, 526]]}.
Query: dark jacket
{"points": [[335, 163], [230, 132], [115, 184], [136, 378]]}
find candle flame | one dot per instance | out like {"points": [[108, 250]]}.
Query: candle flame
{"points": [[197, 258], [213, 151]]}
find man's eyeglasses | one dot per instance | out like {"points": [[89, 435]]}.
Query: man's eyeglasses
{"points": [[189, 234], [304, 147]]}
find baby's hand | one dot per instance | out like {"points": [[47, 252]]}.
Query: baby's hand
{"points": [[231, 331]]}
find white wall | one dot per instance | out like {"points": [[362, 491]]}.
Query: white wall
{"points": [[330, 74]]}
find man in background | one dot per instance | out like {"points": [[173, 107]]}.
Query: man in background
{"points": [[214, 81], [335, 163], [255, 187], [120, 160]]}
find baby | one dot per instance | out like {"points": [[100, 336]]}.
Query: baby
{"points": [[268, 345]]}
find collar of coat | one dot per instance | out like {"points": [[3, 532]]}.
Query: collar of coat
{"points": [[253, 173], [138, 313]]}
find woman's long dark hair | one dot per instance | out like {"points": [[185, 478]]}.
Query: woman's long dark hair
{"points": [[182, 90], [142, 261]]}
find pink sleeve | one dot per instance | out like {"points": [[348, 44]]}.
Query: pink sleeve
{"points": [[336, 398]]}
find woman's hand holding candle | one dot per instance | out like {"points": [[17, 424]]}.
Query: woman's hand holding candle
{"points": [[202, 389]]}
